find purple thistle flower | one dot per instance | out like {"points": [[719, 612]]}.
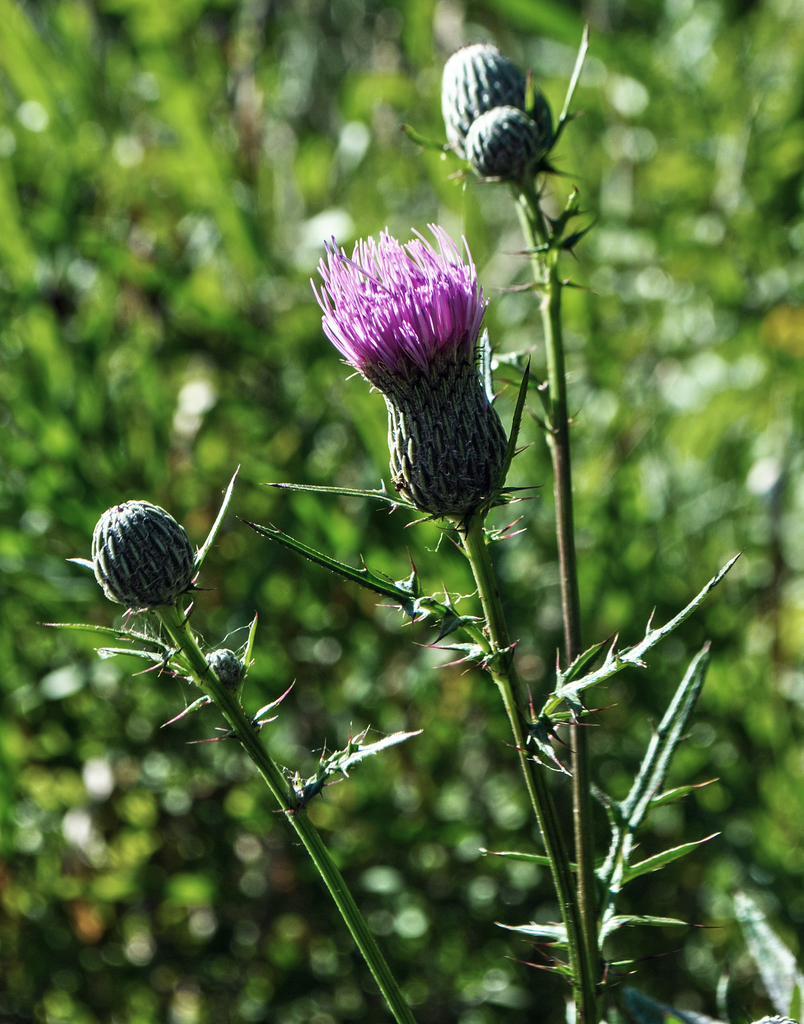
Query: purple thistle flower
{"points": [[393, 308], [408, 318]]}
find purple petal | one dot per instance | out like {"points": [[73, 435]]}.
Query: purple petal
{"points": [[400, 306]]}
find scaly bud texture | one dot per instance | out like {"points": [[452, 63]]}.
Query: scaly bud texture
{"points": [[503, 143], [479, 83], [141, 556], [408, 318], [476, 79], [228, 667]]}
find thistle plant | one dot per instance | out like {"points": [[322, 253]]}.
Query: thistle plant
{"points": [[143, 558], [408, 317], [386, 315]]}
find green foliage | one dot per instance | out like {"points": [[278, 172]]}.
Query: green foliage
{"points": [[777, 965], [167, 175]]}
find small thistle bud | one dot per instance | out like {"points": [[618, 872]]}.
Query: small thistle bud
{"points": [[141, 556], [408, 318], [504, 143], [228, 667], [476, 79]]}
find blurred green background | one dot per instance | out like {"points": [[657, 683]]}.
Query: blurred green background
{"points": [[168, 172]]}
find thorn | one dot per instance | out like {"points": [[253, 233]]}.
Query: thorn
{"points": [[195, 706], [153, 668], [228, 734]]}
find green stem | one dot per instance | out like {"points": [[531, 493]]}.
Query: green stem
{"points": [[537, 233], [504, 674], [227, 703]]}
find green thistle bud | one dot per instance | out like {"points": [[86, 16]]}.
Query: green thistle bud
{"points": [[228, 667], [476, 79], [141, 556], [504, 143]]}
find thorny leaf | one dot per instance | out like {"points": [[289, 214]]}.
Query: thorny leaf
{"points": [[340, 761]]}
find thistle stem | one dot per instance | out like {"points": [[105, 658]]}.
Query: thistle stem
{"points": [[227, 703], [539, 233], [503, 672]]}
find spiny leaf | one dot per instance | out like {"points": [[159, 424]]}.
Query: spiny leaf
{"points": [[349, 492], [555, 933], [368, 750], [569, 244], [340, 761], [451, 619], [671, 796], [516, 422], [111, 652], [252, 632], [659, 860], [532, 858], [656, 763], [201, 554], [576, 74], [86, 626], [540, 734], [580, 663], [777, 965], [403, 592], [632, 920], [615, 660], [652, 772]]}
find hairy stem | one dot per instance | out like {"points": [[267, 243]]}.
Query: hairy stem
{"points": [[227, 703], [539, 233], [503, 672]]}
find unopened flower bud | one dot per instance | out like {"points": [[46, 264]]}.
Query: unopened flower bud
{"points": [[504, 143], [141, 556], [228, 667], [476, 79]]}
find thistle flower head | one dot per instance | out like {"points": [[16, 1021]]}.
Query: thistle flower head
{"points": [[408, 318], [392, 309], [141, 556]]}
